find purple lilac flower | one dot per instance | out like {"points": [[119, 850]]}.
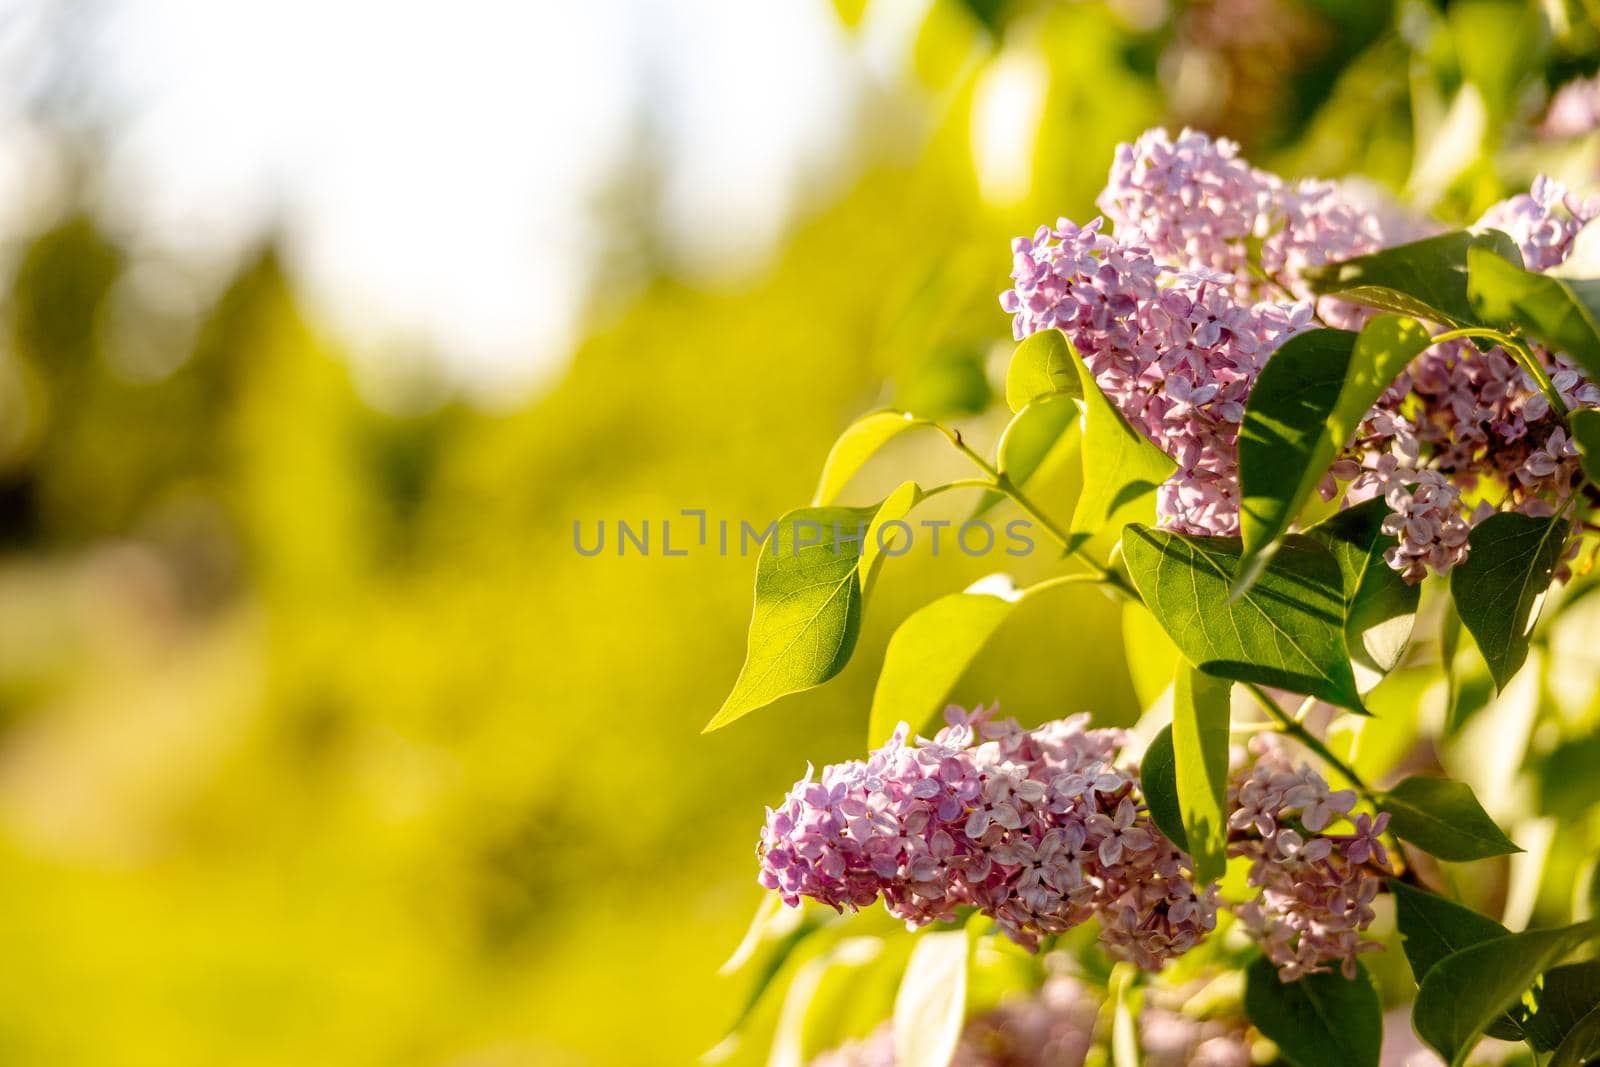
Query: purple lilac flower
{"points": [[1317, 887], [1204, 275], [1041, 829]]}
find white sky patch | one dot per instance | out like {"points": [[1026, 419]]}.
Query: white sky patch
{"points": [[434, 165]]}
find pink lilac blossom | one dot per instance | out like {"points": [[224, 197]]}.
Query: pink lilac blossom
{"points": [[1204, 275], [1317, 887], [1574, 110], [1044, 829], [1056, 1027], [1041, 829]]}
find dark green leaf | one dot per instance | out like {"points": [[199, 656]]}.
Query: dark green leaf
{"points": [[1563, 313], [809, 588], [1560, 1001], [1443, 818], [1287, 630], [1465, 992], [1582, 1044], [1426, 278], [1585, 425], [1122, 468], [1303, 410], [1380, 605], [1499, 589], [1321, 1020], [1200, 719], [1041, 366], [1432, 927], [1158, 774]]}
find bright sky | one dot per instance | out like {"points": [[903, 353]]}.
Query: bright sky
{"points": [[434, 161]]}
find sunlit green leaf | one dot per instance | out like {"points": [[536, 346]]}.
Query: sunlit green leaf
{"points": [[1122, 468], [1320, 1020], [930, 650], [1287, 630], [1443, 818], [1041, 366], [1563, 313], [859, 443], [1499, 589], [1465, 992], [1200, 720], [1585, 426], [1426, 278], [809, 588]]}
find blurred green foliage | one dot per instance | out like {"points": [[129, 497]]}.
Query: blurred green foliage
{"points": [[319, 743]]}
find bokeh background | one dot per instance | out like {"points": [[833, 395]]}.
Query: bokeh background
{"points": [[320, 326]]}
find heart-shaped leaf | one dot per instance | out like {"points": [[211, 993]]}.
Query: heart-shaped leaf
{"points": [[1122, 468], [1499, 589], [810, 582], [1040, 367], [1443, 818], [1303, 409], [1469, 989], [1287, 630], [1321, 1020]]}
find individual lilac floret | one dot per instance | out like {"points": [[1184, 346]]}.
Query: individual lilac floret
{"points": [[1040, 829], [1317, 887]]}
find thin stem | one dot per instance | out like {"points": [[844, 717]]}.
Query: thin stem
{"points": [[1000, 482], [1292, 726]]}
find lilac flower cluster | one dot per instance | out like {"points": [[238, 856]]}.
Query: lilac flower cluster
{"points": [[1040, 829], [1574, 110], [1204, 275], [1316, 887], [1056, 1027]]}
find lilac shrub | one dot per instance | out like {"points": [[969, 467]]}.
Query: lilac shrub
{"points": [[1047, 828]]}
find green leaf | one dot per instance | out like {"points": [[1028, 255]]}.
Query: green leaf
{"points": [[1122, 468], [1563, 313], [1200, 719], [929, 652], [1499, 589], [1158, 776], [1582, 1043], [1585, 426], [1041, 366], [1432, 928], [859, 443], [1426, 278], [1560, 1001], [1031, 434], [1465, 992], [931, 1006], [1151, 656], [1443, 818], [1380, 605], [809, 588], [1287, 630], [1321, 1020], [1303, 410]]}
